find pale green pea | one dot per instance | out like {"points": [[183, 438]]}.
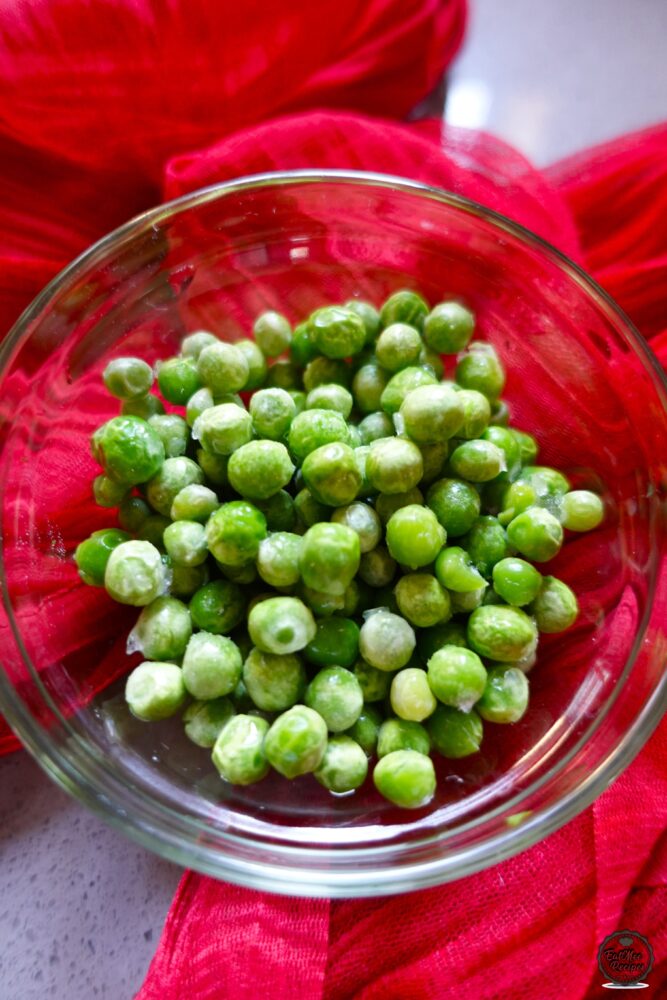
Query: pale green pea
{"points": [[162, 630], [107, 492], [272, 412], [403, 382], [398, 346], [456, 571], [402, 734], [457, 677], [368, 384], [194, 343], [296, 742], [278, 559], [281, 625], [501, 633], [185, 542], [411, 696], [223, 428], [259, 469], [222, 368], [174, 474], [330, 555], [135, 573], [386, 640], [336, 695], [272, 333], [173, 431], [405, 778], [128, 378], [330, 397], [432, 413], [363, 520], [422, 600], [455, 734], [449, 327], [505, 697], [581, 510], [211, 665], [555, 606], [275, 682], [376, 426], [332, 475], [344, 765], [394, 465], [238, 753], [194, 503], [234, 532], [204, 720], [155, 691]]}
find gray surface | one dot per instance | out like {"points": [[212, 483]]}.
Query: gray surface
{"points": [[81, 908]]}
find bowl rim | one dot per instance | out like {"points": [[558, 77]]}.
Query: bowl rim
{"points": [[287, 877]]}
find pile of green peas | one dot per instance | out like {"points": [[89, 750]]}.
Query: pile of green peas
{"points": [[341, 565]]}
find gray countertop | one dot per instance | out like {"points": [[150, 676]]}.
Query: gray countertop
{"points": [[81, 908]]}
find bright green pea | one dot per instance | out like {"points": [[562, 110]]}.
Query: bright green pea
{"points": [[456, 571], [259, 469], [516, 498], [272, 412], [516, 581], [402, 383], [431, 413], [478, 461], [302, 349], [456, 505], [324, 371], [363, 520], [581, 510], [398, 346], [272, 333], [321, 604], [455, 734], [128, 378], [476, 413], [344, 766], [199, 401], [377, 568], [406, 778], [430, 640], [194, 343], [234, 533], [211, 665], [313, 429], [501, 633], [457, 677], [528, 445], [330, 397], [128, 449], [508, 444], [173, 475], [480, 369], [536, 534], [366, 728], [394, 465], [205, 720], [331, 474], [257, 367], [223, 428], [414, 536], [281, 625], [308, 509], [465, 603], [296, 742], [449, 327], [173, 431], [422, 600], [404, 306], [238, 753], [185, 542], [107, 492], [369, 316], [275, 682], [402, 734], [368, 384], [335, 694], [194, 503], [376, 426], [388, 503], [386, 640], [213, 466], [430, 359], [143, 407], [374, 683], [337, 332], [486, 543], [278, 559], [222, 368], [92, 555], [218, 607], [135, 573], [505, 697], [178, 379], [411, 695], [329, 557], [335, 643], [555, 606], [155, 691]]}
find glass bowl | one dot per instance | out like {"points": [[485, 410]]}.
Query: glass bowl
{"points": [[579, 376]]}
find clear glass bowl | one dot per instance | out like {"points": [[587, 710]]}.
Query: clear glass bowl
{"points": [[580, 377]]}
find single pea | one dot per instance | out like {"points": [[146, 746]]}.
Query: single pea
{"points": [[335, 694], [135, 573], [162, 630], [402, 383], [505, 697], [222, 368], [508, 444], [394, 465], [107, 492], [152, 530], [430, 359], [455, 503], [296, 742], [354, 599], [486, 544], [376, 426], [331, 474], [211, 665], [234, 533], [411, 695], [388, 503], [404, 306], [368, 385], [308, 509], [222, 429], [324, 371], [369, 316], [581, 510], [374, 683], [430, 640], [536, 534], [386, 640], [302, 349], [476, 413], [329, 557], [218, 607], [330, 397], [185, 542], [500, 414], [434, 457], [363, 520], [128, 378], [178, 379], [480, 369], [245, 574], [143, 407], [278, 559], [313, 429], [422, 600], [194, 503], [238, 754], [257, 367], [377, 568], [478, 461], [457, 677], [132, 513], [274, 682], [344, 766], [205, 720], [528, 445], [173, 432], [173, 475], [455, 734], [555, 606], [414, 536], [213, 466], [128, 449], [365, 730], [199, 401], [337, 332], [398, 346], [92, 555], [516, 498], [406, 778], [402, 734], [516, 581], [456, 571], [465, 603], [272, 333], [194, 343], [279, 511], [361, 458], [335, 643], [186, 580], [298, 397], [272, 412], [321, 604], [155, 691], [431, 413], [449, 327], [281, 625], [501, 633], [259, 469], [550, 486]]}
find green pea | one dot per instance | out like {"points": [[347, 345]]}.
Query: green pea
{"points": [[404, 306], [368, 384], [217, 607], [430, 640], [211, 665], [430, 359], [422, 600], [414, 536], [455, 734], [222, 368], [402, 383], [92, 555], [128, 378], [457, 677], [455, 503], [152, 530], [431, 413], [465, 603], [324, 371], [369, 316], [374, 683], [194, 503], [508, 444], [331, 474], [388, 503], [185, 580], [501, 633], [536, 534], [132, 513], [449, 327], [223, 428], [143, 407], [365, 730], [329, 557], [411, 695], [480, 369], [344, 766], [516, 581], [302, 349], [178, 379], [296, 742], [330, 397], [337, 332], [173, 475], [239, 574], [505, 697], [476, 413], [363, 520], [398, 346], [394, 465], [107, 492], [405, 778], [335, 694], [555, 606], [377, 568], [321, 604], [135, 573], [185, 542], [259, 469], [456, 571], [313, 429], [486, 544], [238, 753], [281, 625], [155, 691], [272, 333], [386, 641], [376, 426], [309, 510], [354, 599], [335, 643], [275, 682], [581, 510], [194, 343], [257, 367], [278, 559], [205, 720], [279, 511], [402, 734], [234, 533], [272, 412], [478, 461], [516, 498], [528, 446], [173, 432], [128, 449], [434, 457]]}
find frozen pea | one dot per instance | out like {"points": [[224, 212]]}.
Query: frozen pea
{"points": [[194, 502], [536, 534], [480, 369], [449, 327], [402, 383], [335, 694], [185, 542], [173, 476], [465, 603], [516, 497], [344, 766], [323, 371], [278, 559], [432, 413], [414, 536], [155, 691], [335, 643], [375, 426], [162, 631], [363, 520], [135, 573], [152, 530], [361, 454], [422, 600], [528, 445], [274, 681], [330, 397], [374, 683], [404, 306], [377, 568], [331, 474], [257, 367], [302, 349], [368, 384], [205, 720], [194, 343], [434, 457], [516, 581], [476, 413], [128, 449], [394, 465], [555, 606], [321, 604], [299, 399], [386, 640], [178, 379], [296, 742], [477, 461], [411, 695], [501, 633], [388, 503], [143, 407], [234, 533], [457, 677], [313, 429], [365, 730], [402, 734], [505, 697], [199, 401], [508, 444], [107, 492], [173, 431], [132, 513], [238, 753], [185, 580], [279, 511], [329, 557], [218, 606], [486, 544], [239, 574], [272, 333], [337, 332], [272, 412], [128, 378], [211, 665], [222, 368], [581, 510], [259, 469], [281, 625], [456, 571], [500, 414], [398, 346], [223, 428], [92, 555], [309, 510], [406, 778], [455, 734], [369, 316], [455, 503], [430, 640]]}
